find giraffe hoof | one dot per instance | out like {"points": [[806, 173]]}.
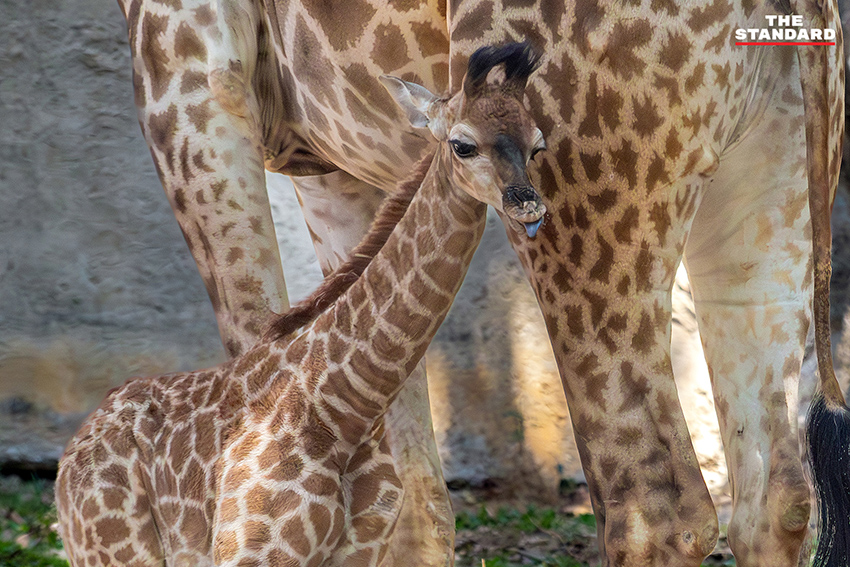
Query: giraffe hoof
{"points": [[796, 517]]}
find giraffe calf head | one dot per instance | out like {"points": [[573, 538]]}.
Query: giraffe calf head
{"points": [[487, 136]]}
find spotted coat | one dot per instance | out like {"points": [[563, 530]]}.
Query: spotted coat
{"points": [[667, 140]]}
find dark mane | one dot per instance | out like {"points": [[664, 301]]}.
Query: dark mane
{"points": [[342, 278], [520, 60]]}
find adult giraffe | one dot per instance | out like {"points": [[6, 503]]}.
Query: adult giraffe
{"points": [[666, 139]]}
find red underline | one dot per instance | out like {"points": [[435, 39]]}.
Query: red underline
{"points": [[784, 43]]}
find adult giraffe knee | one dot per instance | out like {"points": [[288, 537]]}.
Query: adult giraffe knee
{"points": [[662, 518], [771, 530]]}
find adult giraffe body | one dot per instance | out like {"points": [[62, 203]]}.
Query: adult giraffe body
{"points": [[667, 140]]}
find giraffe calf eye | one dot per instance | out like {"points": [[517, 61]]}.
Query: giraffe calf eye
{"points": [[462, 149], [534, 153]]}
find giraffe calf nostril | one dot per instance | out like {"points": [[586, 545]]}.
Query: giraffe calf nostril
{"points": [[521, 195]]}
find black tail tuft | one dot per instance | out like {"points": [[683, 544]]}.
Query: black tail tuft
{"points": [[828, 439]]}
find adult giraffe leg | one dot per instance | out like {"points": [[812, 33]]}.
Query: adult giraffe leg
{"points": [[651, 502], [338, 209], [694, 386], [613, 350], [201, 119], [749, 262]]}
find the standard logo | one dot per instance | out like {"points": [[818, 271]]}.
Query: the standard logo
{"points": [[784, 30]]}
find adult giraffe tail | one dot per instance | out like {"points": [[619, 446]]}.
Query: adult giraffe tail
{"points": [[828, 429]]}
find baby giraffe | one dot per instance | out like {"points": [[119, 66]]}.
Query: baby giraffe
{"points": [[270, 459]]}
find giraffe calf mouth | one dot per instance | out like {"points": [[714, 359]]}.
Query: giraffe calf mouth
{"points": [[532, 227], [524, 205]]}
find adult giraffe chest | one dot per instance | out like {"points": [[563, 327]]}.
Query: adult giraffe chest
{"points": [[642, 91], [328, 60], [630, 93], [638, 105]]}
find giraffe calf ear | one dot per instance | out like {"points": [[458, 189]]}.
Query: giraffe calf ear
{"points": [[414, 99]]}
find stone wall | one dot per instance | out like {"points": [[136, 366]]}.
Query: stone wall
{"points": [[95, 281]]}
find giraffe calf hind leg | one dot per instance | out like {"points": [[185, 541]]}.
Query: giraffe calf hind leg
{"points": [[827, 435]]}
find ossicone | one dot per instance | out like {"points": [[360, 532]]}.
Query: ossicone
{"points": [[519, 59]]}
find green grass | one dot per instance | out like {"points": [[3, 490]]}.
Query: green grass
{"points": [[28, 536], [508, 537], [529, 521]]}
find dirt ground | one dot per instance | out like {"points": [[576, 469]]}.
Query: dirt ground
{"points": [[496, 532]]}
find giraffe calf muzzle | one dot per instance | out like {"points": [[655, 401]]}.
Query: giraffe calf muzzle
{"points": [[524, 205]]}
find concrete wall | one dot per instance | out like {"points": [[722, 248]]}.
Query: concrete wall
{"points": [[95, 281]]}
